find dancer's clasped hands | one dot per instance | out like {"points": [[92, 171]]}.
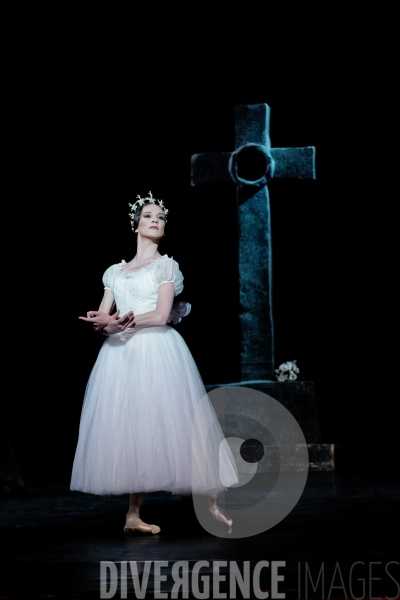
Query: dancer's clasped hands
{"points": [[111, 324]]}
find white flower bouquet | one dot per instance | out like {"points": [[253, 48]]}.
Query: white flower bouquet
{"points": [[287, 371]]}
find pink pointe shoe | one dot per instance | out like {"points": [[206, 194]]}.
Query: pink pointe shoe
{"points": [[135, 524]]}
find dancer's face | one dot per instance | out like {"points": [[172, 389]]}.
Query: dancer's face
{"points": [[152, 221]]}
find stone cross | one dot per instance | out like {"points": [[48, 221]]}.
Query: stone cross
{"points": [[251, 166]]}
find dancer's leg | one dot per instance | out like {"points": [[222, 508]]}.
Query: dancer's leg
{"points": [[217, 512], [133, 521]]}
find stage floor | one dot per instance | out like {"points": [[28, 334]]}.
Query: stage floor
{"points": [[344, 530]]}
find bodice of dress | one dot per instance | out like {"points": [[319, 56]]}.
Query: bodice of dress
{"points": [[138, 290]]}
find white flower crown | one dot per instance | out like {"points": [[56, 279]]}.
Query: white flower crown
{"points": [[142, 202]]}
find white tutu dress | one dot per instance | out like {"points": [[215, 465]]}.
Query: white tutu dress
{"points": [[147, 424]]}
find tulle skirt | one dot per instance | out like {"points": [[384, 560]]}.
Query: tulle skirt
{"points": [[147, 424]]}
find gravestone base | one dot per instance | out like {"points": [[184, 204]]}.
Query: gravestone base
{"points": [[321, 457], [298, 397], [10, 476]]}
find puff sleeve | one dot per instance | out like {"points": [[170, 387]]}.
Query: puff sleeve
{"points": [[106, 279], [167, 271], [110, 274]]}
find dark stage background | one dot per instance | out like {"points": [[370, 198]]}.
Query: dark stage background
{"points": [[94, 117]]}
